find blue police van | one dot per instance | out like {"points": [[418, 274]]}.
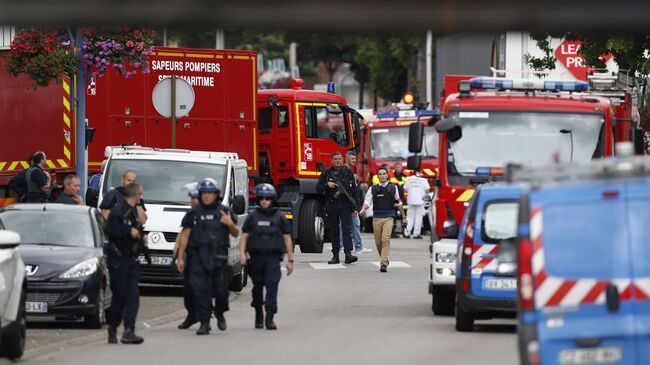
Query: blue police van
{"points": [[583, 267], [490, 219]]}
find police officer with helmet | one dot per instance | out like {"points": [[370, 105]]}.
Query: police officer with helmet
{"points": [[206, 234], [266, 238], [188, 295]]}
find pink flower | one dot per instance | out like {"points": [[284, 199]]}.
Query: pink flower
{"points": [[137, 34], [139, 46], [129, 44]]}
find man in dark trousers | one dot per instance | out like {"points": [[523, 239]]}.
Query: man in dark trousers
{"points": [[38, 181], [207, 231], [71, 189], [339, 205], [188, 295], [123, 266], [266, 238]]}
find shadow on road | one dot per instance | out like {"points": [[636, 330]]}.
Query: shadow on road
{"points": [[161, 291], [51, 323], [495, 328]]}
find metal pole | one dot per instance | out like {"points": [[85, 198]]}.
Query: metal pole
{"points": [[173, 111], [80, 122], [220, 39], [165, 37], [429, 76]]}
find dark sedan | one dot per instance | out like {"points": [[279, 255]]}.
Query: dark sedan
{"points": [[61, 246]]}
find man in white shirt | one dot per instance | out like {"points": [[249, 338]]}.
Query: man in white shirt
{"points": [[416, 187]]}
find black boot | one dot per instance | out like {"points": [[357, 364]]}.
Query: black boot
{"points": [[350, 258], [334, 260], [204, 329], [129, 337], [112, 334], [269, 322], [187, 323], [259, 317], [221, 321]]}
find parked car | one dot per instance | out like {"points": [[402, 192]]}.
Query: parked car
{"points": [[490, 219], [62, 246], [13, 322], [583, 263]]}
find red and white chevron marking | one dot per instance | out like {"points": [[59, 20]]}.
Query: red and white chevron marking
{"points": [[485, 263], [554, 291]]}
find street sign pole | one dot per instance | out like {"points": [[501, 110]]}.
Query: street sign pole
{"points": [[173, 111], [80, 122]]}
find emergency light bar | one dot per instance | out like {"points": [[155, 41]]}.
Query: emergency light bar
{"points": [[489, 171], [527, 84], [408, 114]]}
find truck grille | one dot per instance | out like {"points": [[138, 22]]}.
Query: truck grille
{"points": [[170, 236]]}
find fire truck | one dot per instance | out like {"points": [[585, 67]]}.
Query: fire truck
{"points": [[487, 123], [298, 130]]}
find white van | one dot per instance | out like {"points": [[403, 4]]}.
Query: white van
{"points": [[163, 175]]}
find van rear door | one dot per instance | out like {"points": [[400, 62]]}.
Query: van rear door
{"points": [[639, 217], [581, 247]]}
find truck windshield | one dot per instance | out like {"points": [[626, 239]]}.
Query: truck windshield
{"points": [[163, 182], [494, 139], [392, 143]]}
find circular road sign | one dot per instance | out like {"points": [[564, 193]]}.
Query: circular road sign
{"points": [[162, 97]]}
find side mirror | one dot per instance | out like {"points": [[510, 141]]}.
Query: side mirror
{"points": [[356, 126], [333, 109], [507, 258], [435, 119], [455, 134], [239, 204], [450, 228], [414, 162], [416, 134], [9, 239], [453, 130]]}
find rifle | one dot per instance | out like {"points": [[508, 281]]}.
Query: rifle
{"points": [[111, 250], [342, 190], [140, 246]]}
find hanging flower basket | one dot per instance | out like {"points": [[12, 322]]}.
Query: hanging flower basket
{"points": [[126, 49], [43, 55]]}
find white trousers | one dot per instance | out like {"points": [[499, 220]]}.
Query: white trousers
{"points": [[414, 214]]}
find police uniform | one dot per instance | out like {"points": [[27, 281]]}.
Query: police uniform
{"points": [[339, 209], [208, 268], [265, 245], [36, 179], [124, 270], [188, 292]]}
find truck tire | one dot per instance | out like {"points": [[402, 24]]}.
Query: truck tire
{"points": [[464, 320], [311, 227], [442, 303], [13, 341]]}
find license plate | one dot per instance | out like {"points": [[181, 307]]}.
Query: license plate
{"points": [[156, 260], [35, 307], [603, 355], [500, 284]]}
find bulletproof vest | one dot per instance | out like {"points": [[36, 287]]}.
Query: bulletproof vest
{"points": [[383, 201], [32, 187], [207, 228], [266, 234]]}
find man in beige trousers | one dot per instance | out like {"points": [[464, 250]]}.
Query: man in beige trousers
{"points": [[383, 197]]}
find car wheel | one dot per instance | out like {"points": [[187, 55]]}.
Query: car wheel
{"points": [[442, 303], [464, 320], [239, 281], [96, 319], [311, 228], [13, 341]]}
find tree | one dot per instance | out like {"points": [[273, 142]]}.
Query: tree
{"points": [[330, 49]]}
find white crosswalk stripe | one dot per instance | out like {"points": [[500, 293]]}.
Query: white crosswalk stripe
{"points": [[393, 264]]}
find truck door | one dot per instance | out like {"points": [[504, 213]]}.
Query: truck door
{"points": [[638, 216], [581, 260], [321, 134]]}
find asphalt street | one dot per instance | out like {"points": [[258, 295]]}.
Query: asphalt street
{"points": [[348, 314]]}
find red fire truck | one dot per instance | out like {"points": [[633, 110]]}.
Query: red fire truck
{"points": [[298, 132], [491, 122]]}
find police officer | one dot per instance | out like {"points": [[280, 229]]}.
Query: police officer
{"points": [[339, 206], [266, 238], [188, 295], [123, 266], [207, 230], [38, 181], [114, 196]]}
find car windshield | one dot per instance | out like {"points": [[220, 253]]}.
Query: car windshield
{"points": [[392, 143], [57, 228], [162, 181], [495, 139], [500, 221]]}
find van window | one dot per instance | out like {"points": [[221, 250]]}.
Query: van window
{"points": [[265, 118], [500, 221], [586, 240]]}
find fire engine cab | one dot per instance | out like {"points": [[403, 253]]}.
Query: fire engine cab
{"points": [[492, 122], [298, 130]]}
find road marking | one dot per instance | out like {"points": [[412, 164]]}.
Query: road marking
{"points": [[325, 266], [393, 264]]}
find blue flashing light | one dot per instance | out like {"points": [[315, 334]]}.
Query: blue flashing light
{"points": [[527, 84], [482, 171], [408, 114], [331, 88]]}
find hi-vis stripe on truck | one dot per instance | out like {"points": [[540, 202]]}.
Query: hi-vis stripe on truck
{"points": [[61, 161], [554, 291]]}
